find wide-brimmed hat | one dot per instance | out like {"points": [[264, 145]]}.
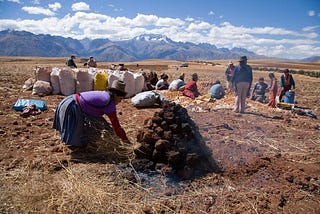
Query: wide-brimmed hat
{"points": [[243, 58], [118, 87]]}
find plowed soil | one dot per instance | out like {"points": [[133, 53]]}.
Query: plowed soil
{"points": [[266, 160]]}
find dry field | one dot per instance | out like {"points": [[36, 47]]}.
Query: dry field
{"points": [[268, 160]]}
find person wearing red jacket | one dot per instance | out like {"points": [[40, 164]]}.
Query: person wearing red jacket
{"points": [[191, 89], [273, 88]]}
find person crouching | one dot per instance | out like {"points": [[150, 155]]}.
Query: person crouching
{"points": [[73, 112]]}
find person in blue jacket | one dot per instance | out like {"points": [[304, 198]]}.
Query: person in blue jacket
{"points": [[242, 80], [216, 90]]}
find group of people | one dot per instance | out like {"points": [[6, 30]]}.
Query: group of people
{"points": [[188, 89], [90, 63], [239, 78], [74, 111]]}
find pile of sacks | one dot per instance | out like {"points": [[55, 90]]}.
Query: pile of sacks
{"points": [[67, 81], [170, 142]]}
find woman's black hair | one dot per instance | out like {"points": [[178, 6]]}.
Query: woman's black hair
{"points": [[217, 82], [113, 93], [271, 75]]}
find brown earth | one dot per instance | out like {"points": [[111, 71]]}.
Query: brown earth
{"points": [[266, 160]]}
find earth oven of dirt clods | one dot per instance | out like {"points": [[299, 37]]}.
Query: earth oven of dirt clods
{"points": [[170, 143]]}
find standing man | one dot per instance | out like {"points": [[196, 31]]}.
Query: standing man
{"points": [[242, 80], [71, 62]]}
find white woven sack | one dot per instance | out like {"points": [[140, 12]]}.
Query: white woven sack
{"points": [[43, 73], [84, 80], [41, 88], [128, 78], [139, 82], [67, 82], [145, 99], [54, 79], [112, 76]]}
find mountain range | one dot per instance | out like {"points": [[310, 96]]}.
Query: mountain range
{"points": [[146, 46]]}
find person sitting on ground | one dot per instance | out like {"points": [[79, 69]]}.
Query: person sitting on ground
{"points": [[92, 62], [191, 89], [273, 88], [147, 84], [216, 90], [259, 91], [153, 77], [286, 83], [71, 62], [163, 83], [74, 111], [177, 84]]}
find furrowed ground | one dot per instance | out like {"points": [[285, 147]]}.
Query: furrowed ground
{"points": [[267, 160]]}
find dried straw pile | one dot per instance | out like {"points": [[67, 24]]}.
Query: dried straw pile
{"points": [[103, 141]]}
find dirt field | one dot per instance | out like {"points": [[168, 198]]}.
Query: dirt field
{"points": [[267, 160]]}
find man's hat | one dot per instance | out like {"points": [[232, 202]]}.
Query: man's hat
{"points": [[243, 58], [118, 87]]}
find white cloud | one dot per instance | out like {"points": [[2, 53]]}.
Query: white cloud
{"points": [[15, 1], [269, 41], [189, 19], [80, 6], [311, 13], [310, 28], [55, 6], [211, 13], [38, 10]]}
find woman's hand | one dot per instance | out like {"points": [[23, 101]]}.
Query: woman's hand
{"points": [[126, 141]]}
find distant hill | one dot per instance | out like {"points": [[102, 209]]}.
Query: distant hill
{"points": [[311, 59], [146, 46]]}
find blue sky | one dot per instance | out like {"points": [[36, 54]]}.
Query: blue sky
{"points": [[275, 28]]}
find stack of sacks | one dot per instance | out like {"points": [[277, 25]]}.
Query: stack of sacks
{"points": [[67, 81]]}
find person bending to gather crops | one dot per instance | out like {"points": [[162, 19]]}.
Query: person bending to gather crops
{"points": [[75, 112]]}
